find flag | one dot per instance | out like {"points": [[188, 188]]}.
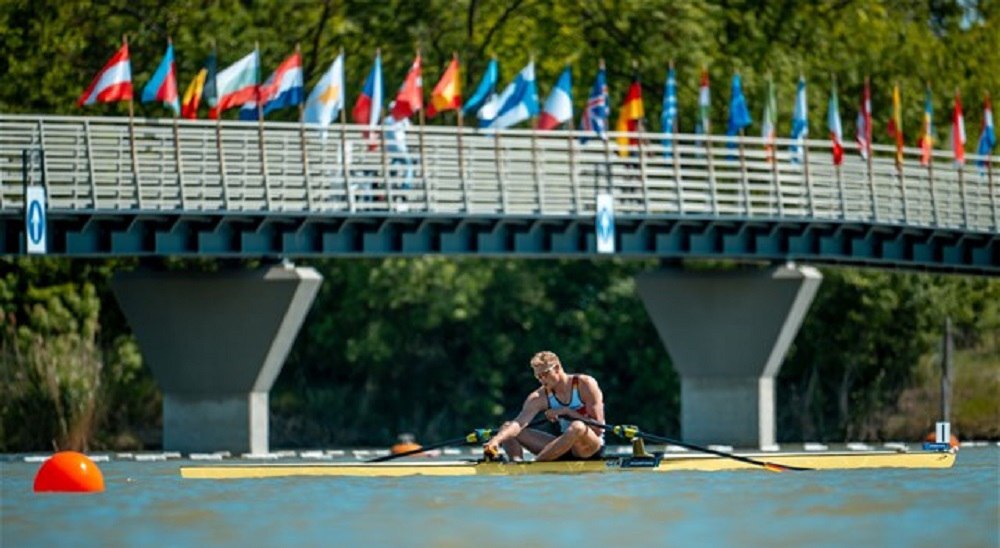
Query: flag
{"points": [[486, 88], [927, 139], [410, 98], [739, 116], [236, 84], [958, 132], [668, 118], [864, 122], [162, 86], [517, 103], [704, 105], [769, 129], [895, 126], [559, 105], [368, 106], [283, 89], [630, 117], [836, 131], [199, 87], [447, 94], [596, 114], [988, 137], [800, 119], [327, 97], [112, 83]]}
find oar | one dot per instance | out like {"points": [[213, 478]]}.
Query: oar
{"points": [[629, 432], [479, 435]]}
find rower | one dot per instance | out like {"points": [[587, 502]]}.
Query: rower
{"points": [[564, 399]]}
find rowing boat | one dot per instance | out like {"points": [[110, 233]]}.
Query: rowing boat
{"points": [[657, 463]]}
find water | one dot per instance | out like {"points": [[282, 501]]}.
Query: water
{"points": [[147, 503]]}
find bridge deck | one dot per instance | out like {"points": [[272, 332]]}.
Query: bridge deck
{"points": [[519, 193]]}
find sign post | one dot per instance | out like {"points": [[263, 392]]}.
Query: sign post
{"points": [[34, 220], [604, 224]]}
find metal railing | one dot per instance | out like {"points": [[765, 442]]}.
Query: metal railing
{"points": [[87, 165]]}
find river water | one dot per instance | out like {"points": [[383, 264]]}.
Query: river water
{"points": [[148, 504]]}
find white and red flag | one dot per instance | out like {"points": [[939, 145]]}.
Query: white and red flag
{"points": [[410, 98], [864, 122], [958, 131], [113, 83]]}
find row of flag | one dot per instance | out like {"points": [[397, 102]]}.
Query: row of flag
{"points": [[238, 85]]}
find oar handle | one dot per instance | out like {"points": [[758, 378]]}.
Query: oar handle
{"points": [[629, 432]]}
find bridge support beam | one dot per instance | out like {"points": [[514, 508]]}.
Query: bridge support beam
{"points": [[727, 333], [215, 343]]}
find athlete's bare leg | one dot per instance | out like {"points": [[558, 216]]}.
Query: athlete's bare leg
{"points": [[578, 438]]}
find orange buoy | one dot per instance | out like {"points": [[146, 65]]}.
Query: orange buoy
{"points": [[69, 472], [405, 444]]}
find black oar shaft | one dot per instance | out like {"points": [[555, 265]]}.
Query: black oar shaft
{"points": [[661, 439]]}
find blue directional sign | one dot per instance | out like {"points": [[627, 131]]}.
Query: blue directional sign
{"points": [[604, 224], [34, 220]]}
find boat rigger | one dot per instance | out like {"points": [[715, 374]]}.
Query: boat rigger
{"points": [[645, 464]]}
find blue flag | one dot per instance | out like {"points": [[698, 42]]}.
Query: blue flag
{"points": [[668, 119], [739, 115], [487, 87], [800, 119]]}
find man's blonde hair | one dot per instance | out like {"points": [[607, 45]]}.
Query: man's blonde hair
{"points": [[545, 359]]}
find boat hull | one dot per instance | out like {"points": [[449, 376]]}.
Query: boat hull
{"points": [[686, 463]]}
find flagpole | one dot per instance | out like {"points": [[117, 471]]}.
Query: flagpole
{"points": [[131, 141], [578, 205], [386, 180], [260, 132], [302, 139], [960, 166], [177, 148], [218, 131], [836, 165], [899, 157], [343, 143], [866, 114], [420, 137], [674, 152], [743, 168], [640, 127], [930, 166], [606, 138], [461, 154], [989, 174], [540, 188], [711, 168]]}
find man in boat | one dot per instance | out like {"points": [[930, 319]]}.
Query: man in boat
{"points": [[561, 397]]}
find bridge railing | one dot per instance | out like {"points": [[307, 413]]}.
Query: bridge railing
{"points": [[88, 164]]}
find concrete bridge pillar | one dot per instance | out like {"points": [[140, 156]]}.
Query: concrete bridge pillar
{"points": [[215, 343], [727, 333]]}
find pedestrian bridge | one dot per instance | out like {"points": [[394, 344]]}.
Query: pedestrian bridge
{"points": [[243, 189]]}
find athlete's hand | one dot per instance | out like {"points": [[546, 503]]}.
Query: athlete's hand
{"points": [[553, 414]]}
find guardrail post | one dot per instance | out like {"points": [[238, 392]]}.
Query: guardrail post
{"points": [[871, 181], [674, 144], [840, 188], [805, 173], [993, 200], [571, 146], [539, 185], [930, 185], [499, 161], [743, 175], [961, 190], [385, 168], [711, 176], [642, 170], [90, 164], [902, 192]]}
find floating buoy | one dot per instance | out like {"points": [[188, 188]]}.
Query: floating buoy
{"points": [[406, 444], [952, 439], [69, 472]]}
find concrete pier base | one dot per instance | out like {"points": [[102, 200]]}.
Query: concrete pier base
{"points": [[215, 343], [727, 333]]}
